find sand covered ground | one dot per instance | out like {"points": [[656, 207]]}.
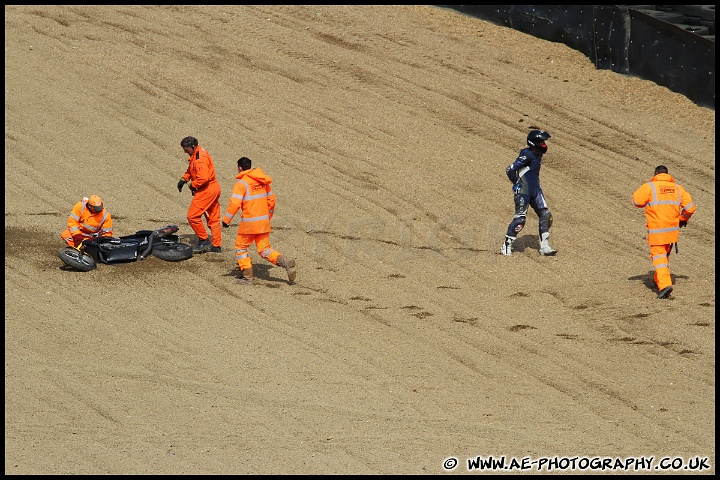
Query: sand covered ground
{"points": [[406, 340]]}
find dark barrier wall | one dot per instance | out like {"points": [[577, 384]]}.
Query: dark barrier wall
{"points": [[619, 39]]}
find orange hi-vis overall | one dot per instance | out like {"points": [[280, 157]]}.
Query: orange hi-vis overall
{"points": [[666, 205], [206, 196], [83, 222], [252, 195]]}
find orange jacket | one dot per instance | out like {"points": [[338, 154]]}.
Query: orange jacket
{"points": [[83, 222], [253, 195], [201, 169], [666, 204]]}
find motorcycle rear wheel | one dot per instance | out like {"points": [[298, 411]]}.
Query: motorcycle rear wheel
{"points": [[77, 260], [172, 251]]}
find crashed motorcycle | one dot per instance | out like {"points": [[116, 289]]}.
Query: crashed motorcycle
{"points": [[163, 243]]}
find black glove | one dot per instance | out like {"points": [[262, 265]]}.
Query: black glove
{"points": [[225, 225], [181, 184], [683, 223], [516, 188]]}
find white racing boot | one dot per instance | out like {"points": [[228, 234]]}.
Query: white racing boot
{"points": [[545, 248], [506, 248]]}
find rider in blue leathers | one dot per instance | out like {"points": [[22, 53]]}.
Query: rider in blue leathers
{"points": [[524, 173]]}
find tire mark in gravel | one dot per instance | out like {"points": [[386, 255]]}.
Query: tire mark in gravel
{"points": [[576, 387]]}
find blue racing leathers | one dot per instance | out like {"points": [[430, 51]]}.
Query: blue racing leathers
{"points": [[524, 173]]}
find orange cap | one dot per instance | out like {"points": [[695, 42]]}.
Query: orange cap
{"points": [[95, 201]]}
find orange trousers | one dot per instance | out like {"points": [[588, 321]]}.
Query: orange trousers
{"points": [[68, 239], [660, 255], [206, 203], [262, 242]]}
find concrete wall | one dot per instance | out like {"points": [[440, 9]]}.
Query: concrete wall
{"points": [[632, 41]]}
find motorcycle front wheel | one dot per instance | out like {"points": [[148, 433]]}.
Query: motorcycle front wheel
{"points": [[76, 259]]}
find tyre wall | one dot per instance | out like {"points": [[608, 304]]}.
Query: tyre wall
{"points": [[662, 43]]}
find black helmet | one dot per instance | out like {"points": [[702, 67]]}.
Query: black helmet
{"points": [[536, 139], [189, 142]]}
